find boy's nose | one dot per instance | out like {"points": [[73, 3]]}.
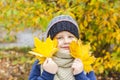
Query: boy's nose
{"points": [[66, 40]]}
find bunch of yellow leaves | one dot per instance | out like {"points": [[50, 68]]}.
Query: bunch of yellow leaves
{"points": [[44, 49], [82, 52]]}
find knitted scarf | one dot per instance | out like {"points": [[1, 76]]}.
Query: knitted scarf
{"points": [[64, 62]]}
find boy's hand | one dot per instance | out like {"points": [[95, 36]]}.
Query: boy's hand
{"points": [[77, 66], [50, 66]]}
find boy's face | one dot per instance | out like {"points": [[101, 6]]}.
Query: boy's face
{"points": [[64, 39]]}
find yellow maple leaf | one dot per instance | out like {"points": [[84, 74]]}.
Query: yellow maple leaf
{"points": [[44, 49], [78, 50]]}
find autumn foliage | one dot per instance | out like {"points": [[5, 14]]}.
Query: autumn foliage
{"points": [[98, 20], [44, 49], [82, 52]]}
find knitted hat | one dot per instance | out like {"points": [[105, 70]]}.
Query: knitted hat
{"points": [[62, 23]]}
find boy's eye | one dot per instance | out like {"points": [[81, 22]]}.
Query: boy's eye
{"points": [[71, 36], [59, 37]]}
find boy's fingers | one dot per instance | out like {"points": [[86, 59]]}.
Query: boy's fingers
{"points": [[49, 60], [46, 61], [77, 60]]}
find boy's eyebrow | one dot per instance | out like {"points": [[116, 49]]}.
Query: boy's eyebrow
{"points": [[59, 35]]}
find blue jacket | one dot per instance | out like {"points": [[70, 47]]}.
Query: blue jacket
{"points": [[35, 74]]}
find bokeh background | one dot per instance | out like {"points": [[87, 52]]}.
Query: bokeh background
{"points": [[22, 20]]}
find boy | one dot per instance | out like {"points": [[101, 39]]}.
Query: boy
{"points": [[62, 66]]}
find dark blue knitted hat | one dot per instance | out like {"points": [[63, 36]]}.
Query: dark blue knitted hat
{"points": [[62, 23]]}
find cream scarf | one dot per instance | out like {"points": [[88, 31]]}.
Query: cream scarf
{"points": [[64, 62]]}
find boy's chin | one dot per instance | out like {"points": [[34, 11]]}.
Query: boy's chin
{"points": [[64, 51]]}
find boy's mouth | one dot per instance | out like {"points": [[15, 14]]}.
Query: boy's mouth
{"points": [[66, 47]]}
